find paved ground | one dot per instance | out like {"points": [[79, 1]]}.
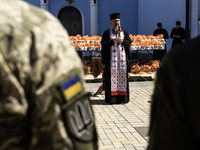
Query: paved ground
{"points": [[123, 127]]}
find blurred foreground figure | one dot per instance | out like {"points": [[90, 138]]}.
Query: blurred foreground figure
{"points": [[175, 122], [43, 102]]}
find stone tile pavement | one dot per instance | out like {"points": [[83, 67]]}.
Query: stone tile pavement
{"points": [[124, 126]]}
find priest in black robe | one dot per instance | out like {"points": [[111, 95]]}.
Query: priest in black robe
{"points": [[178, 33], [116, 56], [158, 54]]}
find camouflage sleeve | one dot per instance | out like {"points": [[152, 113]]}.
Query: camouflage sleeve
{"points": [[52, 58], [59, 66], [36, 57], [14, 130]]}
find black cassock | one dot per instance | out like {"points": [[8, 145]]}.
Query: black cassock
{"points": [[158, 54], [106, 43], [177, 31]]}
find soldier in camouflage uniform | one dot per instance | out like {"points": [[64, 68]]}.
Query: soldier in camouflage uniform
{"points": [[43, 102]]}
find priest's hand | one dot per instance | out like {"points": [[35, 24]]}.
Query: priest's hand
{"points": [[119, 41], [115, 40]]}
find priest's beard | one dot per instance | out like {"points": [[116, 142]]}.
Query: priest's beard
{"points": [[117, 29]]}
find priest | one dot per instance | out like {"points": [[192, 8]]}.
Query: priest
{"points": [[116, 56]]}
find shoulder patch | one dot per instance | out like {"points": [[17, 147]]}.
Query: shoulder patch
{"points": [[79, 120], [77, 113]]}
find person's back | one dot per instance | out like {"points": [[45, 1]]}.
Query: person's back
{"points": [[43, 102], [175, 105]]}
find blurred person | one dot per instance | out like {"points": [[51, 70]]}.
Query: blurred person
{"points": [[177, 33], [43, 102], [174, 121], [158, 54], [116, 56]]}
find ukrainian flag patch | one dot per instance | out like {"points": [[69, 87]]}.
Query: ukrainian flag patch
{"points": [[71, 87]]}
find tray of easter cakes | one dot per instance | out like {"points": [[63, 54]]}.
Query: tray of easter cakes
{"points": [[86, 43], [147, 42], [139, 42], [144, 68]]}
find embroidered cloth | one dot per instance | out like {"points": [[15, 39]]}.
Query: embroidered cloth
{"points": [[118, 66]]}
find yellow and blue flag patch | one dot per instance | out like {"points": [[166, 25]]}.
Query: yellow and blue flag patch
{"points": [[71, 87]]}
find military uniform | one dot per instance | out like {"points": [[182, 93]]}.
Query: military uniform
{"points": [[175, 109], [43, 102]]}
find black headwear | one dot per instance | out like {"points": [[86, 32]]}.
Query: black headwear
{"points": [[159, 24], [115, 16], [178, 22]]}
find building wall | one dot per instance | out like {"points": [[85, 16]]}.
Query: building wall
{"points": [[137, 16], [199, 18], [194, 17], [34, 2], [165, 11], [127, 9]]}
